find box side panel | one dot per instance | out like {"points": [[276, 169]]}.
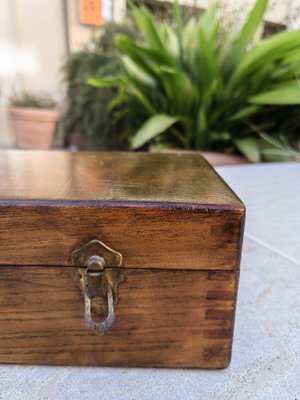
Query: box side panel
{"points": [[163, 319], [146, 237]]}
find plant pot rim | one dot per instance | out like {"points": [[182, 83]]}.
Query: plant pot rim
{"points": [[217, 159], [33, 109], [34, 114]]}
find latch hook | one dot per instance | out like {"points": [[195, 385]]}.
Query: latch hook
{"points": [[99, 285]]}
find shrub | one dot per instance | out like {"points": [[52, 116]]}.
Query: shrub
{"points": [[195, 86], [87, 107], [30, 99]]}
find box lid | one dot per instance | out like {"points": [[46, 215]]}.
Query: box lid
{"points": [[158, 210]]}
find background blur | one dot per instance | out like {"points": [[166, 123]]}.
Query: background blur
{"points": [[38, 36]]}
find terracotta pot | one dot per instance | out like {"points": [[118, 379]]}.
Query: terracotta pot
{"points": [[34, 127], [214, 158], [219, 159]]}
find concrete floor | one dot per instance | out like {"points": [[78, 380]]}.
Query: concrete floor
{"points": [[266, 354]]}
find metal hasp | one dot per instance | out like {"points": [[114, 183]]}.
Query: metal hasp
{"points": [[99, 275]]}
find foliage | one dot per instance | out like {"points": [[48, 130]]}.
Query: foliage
{"points": [[198, 87], [278, 147], [163, 10], [29, 99], [87, 107]]}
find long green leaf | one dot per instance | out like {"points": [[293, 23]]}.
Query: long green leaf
{"points": [[283, 96], [105, 82], [128, 46], [141, 96], [202, 138], [146, 22], [171, 42], [179, 25], [117, 100], [206, 62], [245, 112], [151, 128], [275, 142], [249, 147], [208, 19], [137, 72], [236, 43], [270, 50], [245, 37]]}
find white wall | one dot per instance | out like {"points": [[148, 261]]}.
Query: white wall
{"points": [[8, 40], [79, 34], [33, 46], [40, 34]]}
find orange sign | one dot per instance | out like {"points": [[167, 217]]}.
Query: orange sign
{"points": [[91, 12]]}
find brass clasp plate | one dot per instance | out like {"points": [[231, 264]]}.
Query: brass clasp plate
{"points": [[99, 275]]}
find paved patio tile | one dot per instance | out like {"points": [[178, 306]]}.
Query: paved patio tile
{"points": [[271, 193]]}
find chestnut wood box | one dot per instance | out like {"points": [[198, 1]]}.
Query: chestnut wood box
{"points": [[117, 259]]}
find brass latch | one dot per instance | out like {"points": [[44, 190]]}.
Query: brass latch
{"points": [[99, 275]]}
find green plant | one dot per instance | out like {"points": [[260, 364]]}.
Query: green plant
{"points": [[196, 86], [278, 147], [163, 10], [86, 110], [29, 99]]}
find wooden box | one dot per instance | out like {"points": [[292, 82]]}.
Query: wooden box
{"points": [[117, 259]]}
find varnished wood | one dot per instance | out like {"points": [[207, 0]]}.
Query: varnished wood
{"points": [[157, 210], [57, 176], [163, 318], [146, 237], [176, 223]]}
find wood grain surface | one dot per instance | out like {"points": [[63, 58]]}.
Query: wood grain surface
{"points": [[163, 318], [179, 228], [58, 176], [147, 238], [158, 210]]}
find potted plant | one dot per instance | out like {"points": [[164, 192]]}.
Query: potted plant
{"points": [[34, 118], [86, 120], [196, 87]]}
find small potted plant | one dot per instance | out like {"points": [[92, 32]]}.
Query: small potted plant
{"points": [[34, 118]]}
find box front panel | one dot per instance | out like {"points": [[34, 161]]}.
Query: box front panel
{"points": [[164, 318], [159, 238]]}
